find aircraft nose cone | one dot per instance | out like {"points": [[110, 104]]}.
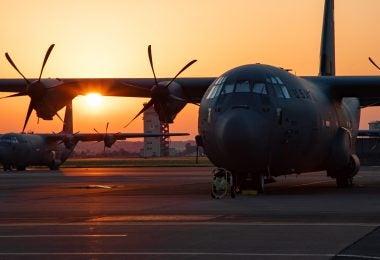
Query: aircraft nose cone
{"points": [[241, 137]]}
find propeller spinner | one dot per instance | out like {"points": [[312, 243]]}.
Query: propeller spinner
{"points": [[159, 91], [35, 90]]}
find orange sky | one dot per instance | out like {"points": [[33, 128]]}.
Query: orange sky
{"points": [[109, 38]]}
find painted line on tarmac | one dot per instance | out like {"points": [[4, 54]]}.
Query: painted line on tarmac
{"points": [[66, 235], [184, 223]]}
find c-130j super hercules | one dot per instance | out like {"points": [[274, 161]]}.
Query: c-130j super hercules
{"points": [[255, 121]]}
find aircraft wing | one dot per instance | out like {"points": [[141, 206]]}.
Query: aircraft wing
{"points": [[366, 88], [91, 137], [193, 88]]}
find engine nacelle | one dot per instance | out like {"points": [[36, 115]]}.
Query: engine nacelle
{"points": [[51, 99], [170, 103]]}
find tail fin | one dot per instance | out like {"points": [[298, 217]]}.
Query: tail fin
{"points": [[68, 121], [327, 62]]}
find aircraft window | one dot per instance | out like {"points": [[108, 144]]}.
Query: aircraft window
{"points": [[285, 91], [228, 88], [216, 88], [278, 91], [212, 92], [274, 81], [243, 86], [260, 88], [279, 80]]}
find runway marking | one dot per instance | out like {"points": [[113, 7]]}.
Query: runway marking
{"points": [[127, 218], [66, 235], [184, 223]]}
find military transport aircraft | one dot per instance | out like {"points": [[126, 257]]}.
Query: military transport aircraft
{"points": [[22, 150], [256, 121]]}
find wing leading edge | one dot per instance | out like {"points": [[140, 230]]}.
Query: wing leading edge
{"points": [[193, 88]]}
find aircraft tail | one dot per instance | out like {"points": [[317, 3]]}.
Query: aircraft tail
{"points": [[68, 121], [327, 62]]}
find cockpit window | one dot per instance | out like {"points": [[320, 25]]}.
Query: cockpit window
{"points": [[281, 91], [216, 88], [242, 86], [228, 88], [285, 91], [260, 88]]}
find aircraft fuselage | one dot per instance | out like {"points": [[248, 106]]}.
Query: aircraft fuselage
{"points": [[21, 150], [262, 119]]}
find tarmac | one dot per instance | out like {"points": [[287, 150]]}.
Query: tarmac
{"points": [[168, 213]]}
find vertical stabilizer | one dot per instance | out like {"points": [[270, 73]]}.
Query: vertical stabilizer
{"points": [[68, 121], [327, 62]]}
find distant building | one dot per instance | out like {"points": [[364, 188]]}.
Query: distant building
{"points": [[152, 145], [374, 125], [368, 148]]}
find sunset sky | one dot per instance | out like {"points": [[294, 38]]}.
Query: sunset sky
{"points": [[109, 38]]}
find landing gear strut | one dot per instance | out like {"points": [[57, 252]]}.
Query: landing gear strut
{"points": [[222, 184], [344, 177], [253, 184]]}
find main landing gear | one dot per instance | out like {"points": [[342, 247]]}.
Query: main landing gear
{"points": [[344, 177]]}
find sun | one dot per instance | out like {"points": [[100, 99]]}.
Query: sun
{"points": [[94, 100]]}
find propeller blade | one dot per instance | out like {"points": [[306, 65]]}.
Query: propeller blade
{"points": [[107, 127], [16, 95], [373, 63], [182, 70], [15, 67], [60, 118], [151, 63], [30, 109], [146, 107], [96, 130], [45, 60]]}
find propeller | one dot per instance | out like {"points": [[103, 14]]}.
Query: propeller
{"points": [[35, 90], [159, 91], [108, 140], [69, 140], [373, 63]]}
